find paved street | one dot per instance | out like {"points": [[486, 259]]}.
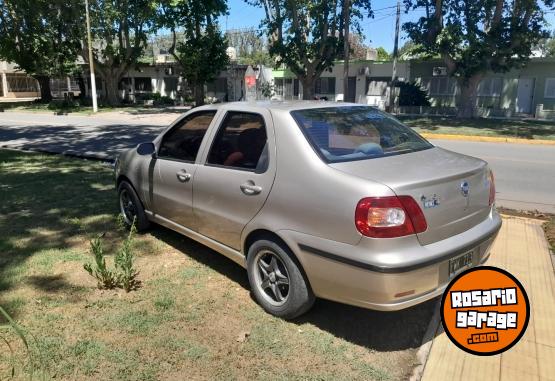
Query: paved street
{"points": [[102, 136], [525, 174]]}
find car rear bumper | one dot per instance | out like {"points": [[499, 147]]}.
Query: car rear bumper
{"points": [[392, 276]]}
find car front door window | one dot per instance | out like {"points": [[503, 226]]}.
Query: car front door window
{"points": [[174, 169], [183, 142]]}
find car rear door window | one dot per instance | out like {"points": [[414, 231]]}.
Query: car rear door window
{"points": [[241, 143], [183, 141]]}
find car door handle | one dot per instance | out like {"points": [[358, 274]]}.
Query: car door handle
{"points": [[183, 176], [250, 189]]}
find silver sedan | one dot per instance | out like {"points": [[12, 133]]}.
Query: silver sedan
{"points": [[333, 200]]}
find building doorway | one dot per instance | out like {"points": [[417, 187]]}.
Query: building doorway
{"points": [[352, 90], [525, 95]]}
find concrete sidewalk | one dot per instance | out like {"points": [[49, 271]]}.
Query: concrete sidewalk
{"points": [[521, 249]]}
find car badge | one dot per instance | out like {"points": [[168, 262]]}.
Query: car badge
{"points": [[430, 202], [465, 188]]}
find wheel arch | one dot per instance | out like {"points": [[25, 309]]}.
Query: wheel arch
{"points": [[123, 178], [259, 234]]}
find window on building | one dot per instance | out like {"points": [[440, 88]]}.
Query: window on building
{"points": [[287, 88], [376, 87], [490, 87], [21, 83], [143, 84], [124, 84], [278, 86], [440, 85], [549, 88], [170, 84], [325, 85], [217, 86]]}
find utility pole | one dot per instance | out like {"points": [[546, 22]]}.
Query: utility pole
{"points": [[346, 51], [91, 60], [392, 97]]}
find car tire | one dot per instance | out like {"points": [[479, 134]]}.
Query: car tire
{"points": [[277, 281], [130, 206]]}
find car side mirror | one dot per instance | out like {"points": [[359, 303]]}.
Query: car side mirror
{"points": [[146, 149]]}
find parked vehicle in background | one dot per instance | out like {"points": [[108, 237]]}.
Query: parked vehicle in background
{"points": [[316, 199]]}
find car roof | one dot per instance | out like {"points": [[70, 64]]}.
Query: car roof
{"points": [[279, 105]]}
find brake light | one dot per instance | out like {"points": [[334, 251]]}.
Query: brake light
{"points": [[491, 188], [389, 217]]}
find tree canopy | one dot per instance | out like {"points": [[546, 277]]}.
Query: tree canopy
{"points": [[474, 37], [202, 49], [383, 55], [42, 37], [308, 35], [120, 30], [250, 46]]}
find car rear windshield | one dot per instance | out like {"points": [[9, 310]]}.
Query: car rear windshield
{"points": [[356, 133]]}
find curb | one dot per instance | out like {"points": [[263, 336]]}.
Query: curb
{"points": [[488, 139], [424, 351]]}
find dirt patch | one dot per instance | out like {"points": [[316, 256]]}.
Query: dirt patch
{"points": [[549, 228]]}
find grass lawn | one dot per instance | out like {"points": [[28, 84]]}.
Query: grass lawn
{"points": [[193, 317], [527, 129]]}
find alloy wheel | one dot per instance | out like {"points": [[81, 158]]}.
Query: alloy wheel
{"points": [[271, 277]]}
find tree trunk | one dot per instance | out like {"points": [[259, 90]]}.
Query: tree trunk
{"points": [[467, 102], [82, 87], [199, 95], [308, 88], [44, 84], [112, 96]]}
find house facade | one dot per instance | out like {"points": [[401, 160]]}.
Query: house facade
{"points": [[15, 84], [529, 91], [368, 82]]}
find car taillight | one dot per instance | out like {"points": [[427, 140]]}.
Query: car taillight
{"points": [[389, 217], [491, 188]]}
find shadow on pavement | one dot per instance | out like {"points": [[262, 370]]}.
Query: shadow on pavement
{"points": [[101, 142]]}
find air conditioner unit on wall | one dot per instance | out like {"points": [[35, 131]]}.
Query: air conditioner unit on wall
{"points": [[439, 71], [364, 71]]}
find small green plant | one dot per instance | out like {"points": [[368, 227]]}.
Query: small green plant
{"points": [[124, 261], [120, 222], [12, 325], [105, 278], [125, 274]]}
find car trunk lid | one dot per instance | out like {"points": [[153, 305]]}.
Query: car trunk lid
{"points": [[451, 189]]}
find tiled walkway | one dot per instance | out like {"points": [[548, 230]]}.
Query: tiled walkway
{"points": [[522, 250]]}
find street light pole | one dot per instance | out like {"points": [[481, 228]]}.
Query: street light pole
{"points": [[392, 98], [91, 61]]}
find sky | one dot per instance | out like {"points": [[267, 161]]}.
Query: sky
{"points": [[379, 31]]}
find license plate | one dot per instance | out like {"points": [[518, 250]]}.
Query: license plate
{"points": [[462, 262]]}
